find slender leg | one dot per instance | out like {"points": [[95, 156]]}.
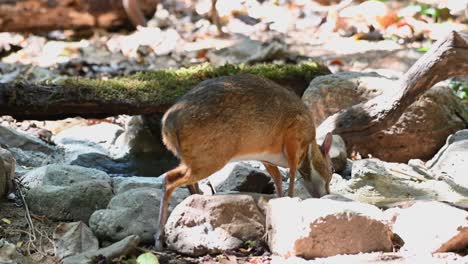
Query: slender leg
{"points": [[292, 152], [277, 179], [193, 188], [173, 179]]}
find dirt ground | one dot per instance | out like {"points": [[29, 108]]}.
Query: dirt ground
{"points": [[39, 247]]}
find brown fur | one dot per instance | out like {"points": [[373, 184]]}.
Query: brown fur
{"points": [[227, 117]]}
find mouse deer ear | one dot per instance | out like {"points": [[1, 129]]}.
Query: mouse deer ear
{"points": [[326, 145]]}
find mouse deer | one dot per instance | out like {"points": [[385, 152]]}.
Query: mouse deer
{"points": [[242, 117]]}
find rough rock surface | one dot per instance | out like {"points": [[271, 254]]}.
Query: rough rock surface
{"points": [[430, 227], [212, 224], [7, 172], [27, 150], [245, 178], [62, 175], [122, 184], [378, 258], [74, 192], [103, 135], [451, 162], [418, 133], [378, 182], [134, 211], [323, 227], [338, 154]]}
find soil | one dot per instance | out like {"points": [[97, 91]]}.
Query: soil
{"points": [[15, 229]]}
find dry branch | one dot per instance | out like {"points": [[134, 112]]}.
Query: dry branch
{"points": [[447, 58]]}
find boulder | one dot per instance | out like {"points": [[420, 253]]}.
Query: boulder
{"points": [[377, 258], [75, 192], [244, 178], [11, 138], [123, 184], [7, 172], [451, 162], [62, 175], [212, 224], [378, 182], [430, 227], [338, 154], [134, 211], [322, 227], [28, 150], [69, 203], [418, 133], [102, 135], [141, 135]]}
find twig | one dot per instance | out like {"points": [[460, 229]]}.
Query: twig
{"points": [[417, 177]]}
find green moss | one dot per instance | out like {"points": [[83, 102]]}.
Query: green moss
{"points": [[165, 86]]}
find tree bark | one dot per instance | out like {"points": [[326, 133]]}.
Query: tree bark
{"points": [[40, 15], [447, 58]]}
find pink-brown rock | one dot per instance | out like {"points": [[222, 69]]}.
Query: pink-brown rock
{"points": [[321, 227], [430, 227], [419, 133], [212, 224]]}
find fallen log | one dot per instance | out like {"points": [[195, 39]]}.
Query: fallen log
{"points": [[42, 15], [142, 93], [447, 58]]}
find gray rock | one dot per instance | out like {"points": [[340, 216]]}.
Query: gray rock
{"points": [[122, 184], [116, 250], [338, 153], [245, 178], [323, 227], [451, 162], [418, 133], [134, 211], [423, 233], [7, 172], [69, 203], [27, 150], [29, 158], [11, 138], [75, 192], [102, 135], [381, 183], [204, 224], [248, 51], [62, 175], [141, 135]]}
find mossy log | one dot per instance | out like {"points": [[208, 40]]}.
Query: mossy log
{"points": [[141, 93]]}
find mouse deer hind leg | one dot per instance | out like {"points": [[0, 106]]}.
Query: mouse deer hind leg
{"points": [[172, 179]]}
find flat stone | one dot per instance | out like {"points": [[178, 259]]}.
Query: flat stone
{"points": [[322, 227]]}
